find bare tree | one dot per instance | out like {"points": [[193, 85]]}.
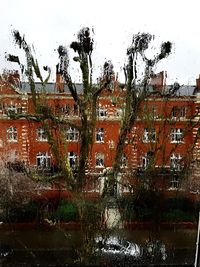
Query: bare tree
{"points": [[16, 188], [136, 90]]}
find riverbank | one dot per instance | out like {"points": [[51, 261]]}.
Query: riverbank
{"points": [[163, 225], [47, 224]]}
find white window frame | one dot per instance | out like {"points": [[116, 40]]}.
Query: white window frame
{"points": [[100, 135], [12, 108], [43, 160], [102, 112], [73, 159], [72, 134], [175, 162], [146, 160], [12, 134], [174, 183], [99, 159], [176, 135], [149, 135], [41, 135]]}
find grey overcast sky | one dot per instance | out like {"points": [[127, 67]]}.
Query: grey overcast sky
{"points": [[48, 23]]}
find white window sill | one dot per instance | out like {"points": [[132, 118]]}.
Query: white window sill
{"points": [[177, 142], [148, 141], [99, 167]]}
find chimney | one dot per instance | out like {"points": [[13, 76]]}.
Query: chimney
{"points": [[14, 78], [59, 80], [158, 81], [198, 82]]}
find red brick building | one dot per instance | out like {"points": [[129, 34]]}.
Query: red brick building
{"points": [[166, 128]]}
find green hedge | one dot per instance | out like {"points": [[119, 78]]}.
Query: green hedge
{"points": [[66, 211], [149, 205], [26, 213], [177, 215]]}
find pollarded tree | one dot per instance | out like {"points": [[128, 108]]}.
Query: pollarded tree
{"points": [[136, 90]]}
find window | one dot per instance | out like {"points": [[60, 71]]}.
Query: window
{"points": [[99, 160], [176, 135], [151, 111], [149, 135], [12, 134], [124, 161], [67, 109], [75, 110], [175, 162], [101, 112], [119, 112], [174, 183], [73, 159], [99, 134], [197, 111], [111, 144], [178, 112], [43, 160], [41, 134], [154, 112], [3, 108], [63, 109], [72, 134], [146, 159], [11, 109]]}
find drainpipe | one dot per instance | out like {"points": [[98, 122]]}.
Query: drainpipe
{"points": [[196, 263]]}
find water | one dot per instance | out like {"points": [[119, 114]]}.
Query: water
{"points": [[55, 247]]}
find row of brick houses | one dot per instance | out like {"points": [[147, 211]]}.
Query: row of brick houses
{"points": [[167, 128]]}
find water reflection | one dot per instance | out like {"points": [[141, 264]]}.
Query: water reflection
{"points": [[57, 247]]}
